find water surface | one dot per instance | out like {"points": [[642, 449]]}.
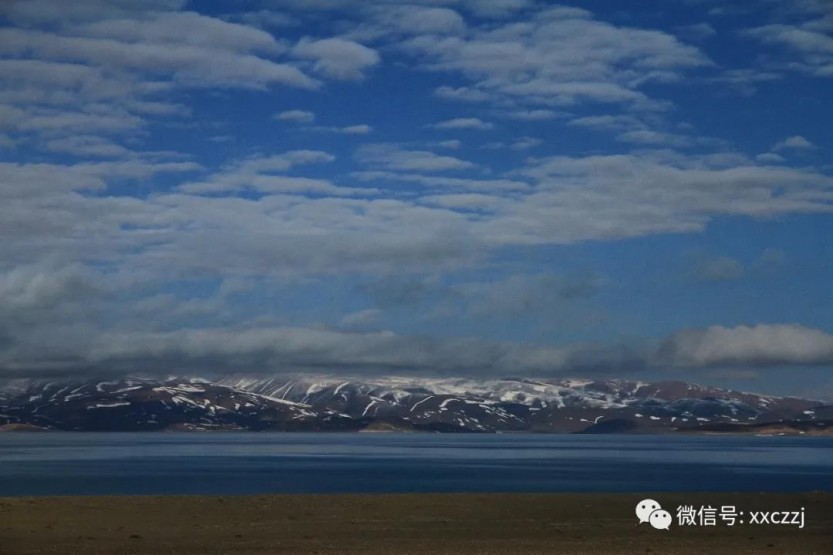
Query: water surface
{"points": [[252, 463]]}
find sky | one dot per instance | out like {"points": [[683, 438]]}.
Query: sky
{"points": [[423, 187]]}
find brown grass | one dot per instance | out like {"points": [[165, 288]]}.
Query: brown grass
{"points": [[399, 524]]}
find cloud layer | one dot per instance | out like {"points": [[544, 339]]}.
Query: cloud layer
{"points": [[398, 186]]}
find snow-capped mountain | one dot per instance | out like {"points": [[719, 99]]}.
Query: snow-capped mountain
{"points": [[407, 404], [142, 404]]}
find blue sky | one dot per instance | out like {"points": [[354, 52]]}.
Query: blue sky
{"points": [[419, 187]]}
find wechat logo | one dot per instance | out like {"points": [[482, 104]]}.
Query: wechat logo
{"points": [[650, 511]]}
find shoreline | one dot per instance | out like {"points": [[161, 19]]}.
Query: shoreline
{"points": [[599, 523], [785, 432]]}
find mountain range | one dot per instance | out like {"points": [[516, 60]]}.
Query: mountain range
{"points": [[400, 404]]}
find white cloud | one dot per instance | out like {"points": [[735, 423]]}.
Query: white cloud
{"points": [[524, 143], [337, 58], [444, 182], [301, 116], [51, 123], [525, 295], [497, 8], [177, 29], [561, 56], [761, 345], [794, 142], [633, 130], [414, 20], [266, 19], [362, 129], [34, 287], [361, 318], [557, 200], [770, 158], [531, 115], [810, 48], [697, 31], [393, 158], [278, 349], [463, 201], [656, 138], [719, 268], [111, 68], [462, 93], [187, 64], [359, 129], [745, 80], [28, 12], [87, 145], [608, 122], [262, 174], [463, 123], [96, 80], [453, 144]]}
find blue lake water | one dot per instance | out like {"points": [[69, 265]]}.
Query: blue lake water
{"points": [[252, 463]]}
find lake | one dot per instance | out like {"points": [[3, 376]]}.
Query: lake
{"points": [[255, 463]]}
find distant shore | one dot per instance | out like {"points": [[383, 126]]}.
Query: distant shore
{"points": [[742, 429], [403, 524]]}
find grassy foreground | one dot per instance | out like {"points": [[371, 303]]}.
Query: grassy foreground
{"points": [[401, 524]]}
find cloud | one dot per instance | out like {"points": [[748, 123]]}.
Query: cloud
{"points": [[531, 115], [761, 345], [633, 130], [337, 58], [463, 123], [559, 57], [359, 129], [274, 350], [301, 225], [463, 201], [657, 138], [300, 116], [413, 20], [629, 195], [697, 31], [52, 324], [87, 86], [453, 144], [266, 19], [608, 122], [361, 318], [87, 145], [283, 349], [772, 258], [223, 64], [43, 286], [525, 295], [497, 9], [794, 142], [809, 48], [52, 123], [446, 183], [393, 158], [525, 143], [42, 181], [28, 12], [182, 28], [104, 69], [770, 158], [745, 80], [720, 268], [261, 173], [461, 93]]}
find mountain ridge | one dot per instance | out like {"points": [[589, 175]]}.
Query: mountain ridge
{"points": [[327, 403]]}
